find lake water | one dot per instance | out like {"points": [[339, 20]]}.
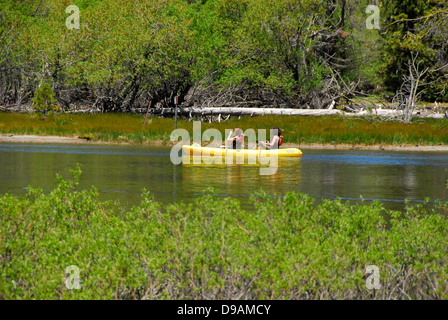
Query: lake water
{"points": [[121, 172]]}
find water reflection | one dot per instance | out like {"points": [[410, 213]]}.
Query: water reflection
{"points": [[390, 177], [239, 179]]}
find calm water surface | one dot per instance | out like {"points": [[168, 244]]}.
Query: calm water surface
{"points": [[121, 172]]}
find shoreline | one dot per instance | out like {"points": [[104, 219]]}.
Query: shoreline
{"points": [[12, 138]]}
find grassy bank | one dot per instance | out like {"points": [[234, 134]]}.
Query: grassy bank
{"points": [[288, 248], [296, 129]]}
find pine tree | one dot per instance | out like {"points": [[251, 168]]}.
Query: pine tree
{"points": [[43, 99]]}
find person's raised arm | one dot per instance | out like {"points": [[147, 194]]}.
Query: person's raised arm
{"points": [[274, 141]]}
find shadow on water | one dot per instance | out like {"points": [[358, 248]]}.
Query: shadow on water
{"points": [[121, 172]]}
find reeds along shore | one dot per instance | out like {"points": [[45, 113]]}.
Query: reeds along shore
{"points": [[288, 248], [296, 129]]}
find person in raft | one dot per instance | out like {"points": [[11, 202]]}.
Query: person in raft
{"points": [[237, 139], [275, 143]]}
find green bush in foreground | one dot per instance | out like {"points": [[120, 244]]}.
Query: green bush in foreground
{"points": [[288, 248]]}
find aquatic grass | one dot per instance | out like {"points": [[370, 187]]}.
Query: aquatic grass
{"points": [[286, 248], [296, 129]]}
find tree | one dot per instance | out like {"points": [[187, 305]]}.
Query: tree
{"points": [[409, 93], [417, 26], [43, 101], [292, 47]]}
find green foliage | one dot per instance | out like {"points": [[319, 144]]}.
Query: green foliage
{"points": [[43, 100], [287, 248], [415, 27], [125, 50]]}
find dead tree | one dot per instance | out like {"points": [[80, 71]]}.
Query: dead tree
{"points": [[408, 94]]}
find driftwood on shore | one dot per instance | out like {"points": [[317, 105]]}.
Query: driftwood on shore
{"points": [[222, 112]]}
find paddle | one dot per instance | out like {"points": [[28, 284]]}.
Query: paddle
{"points": [[224, 146]]}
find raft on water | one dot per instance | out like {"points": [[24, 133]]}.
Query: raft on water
{"points": [[196, 150]]}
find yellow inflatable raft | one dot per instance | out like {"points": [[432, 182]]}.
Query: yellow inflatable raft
{"points": [[196, 150]]}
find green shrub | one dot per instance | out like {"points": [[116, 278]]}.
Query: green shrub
{"points": [[43, 101], [287, 248]]}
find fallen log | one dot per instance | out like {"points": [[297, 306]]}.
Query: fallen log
{"points": [[226, 112], [222, 111], [243, 111]]}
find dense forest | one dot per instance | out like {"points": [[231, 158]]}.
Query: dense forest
{"points": [[117, 55]]}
